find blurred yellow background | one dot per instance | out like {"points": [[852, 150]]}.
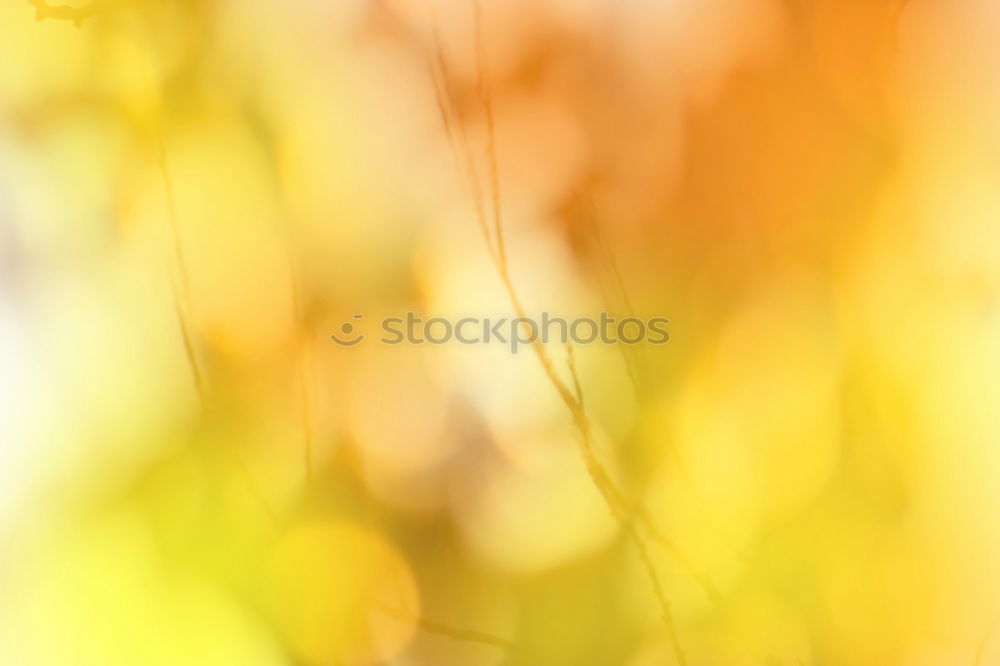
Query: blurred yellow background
{"points": [[195, 194]]}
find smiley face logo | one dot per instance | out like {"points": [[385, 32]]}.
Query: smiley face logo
{"points": [[347, 329]]}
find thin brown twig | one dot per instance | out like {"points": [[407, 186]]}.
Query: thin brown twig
{"points": [[442, 91], [612, 266], [627, 358], [491, 148], [571, 362], [668, 617], [182, 299], [255, 490], [168, 187], [306, 363], [440, 629], [631, 365], [182, 292], [601, 478], [199, 382], [599, 475], [617, 503], [692, 569], [613, 497], [629, 355]]}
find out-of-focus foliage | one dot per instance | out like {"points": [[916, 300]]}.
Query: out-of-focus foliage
{"points": [[194, 194]]}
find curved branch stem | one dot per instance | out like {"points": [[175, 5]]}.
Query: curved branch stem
{"points": [[447, 631], [572, 398]]}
